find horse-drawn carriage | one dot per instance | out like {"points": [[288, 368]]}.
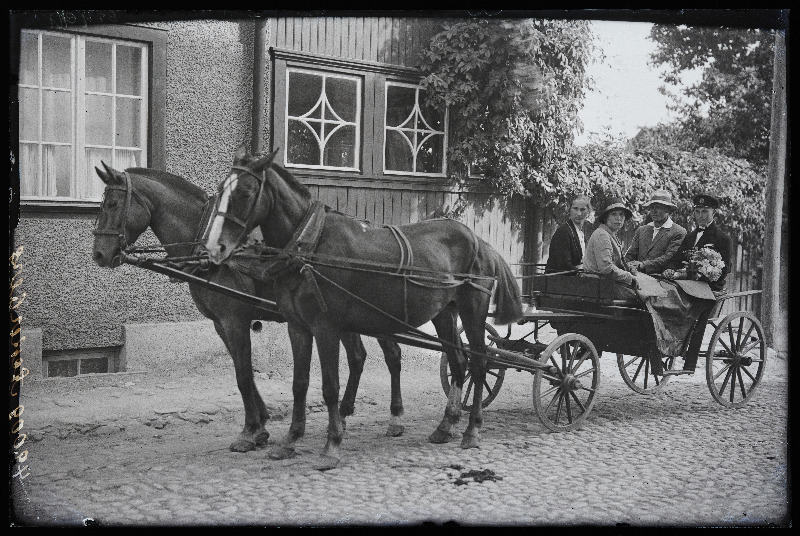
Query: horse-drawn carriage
{"points": [[588, 321], [327, 276]]}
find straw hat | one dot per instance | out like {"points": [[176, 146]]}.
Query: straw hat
{"points": [[661, 197]]}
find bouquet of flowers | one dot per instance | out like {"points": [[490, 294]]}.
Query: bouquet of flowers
{"points": [[704, 264]]}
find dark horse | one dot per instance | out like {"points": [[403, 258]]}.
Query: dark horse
{"points": [[174, 209], [405, 276]]}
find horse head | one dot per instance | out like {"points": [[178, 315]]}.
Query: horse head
{"points": [[124, 215], [244, 202]]}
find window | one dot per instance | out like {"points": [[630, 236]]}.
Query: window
{"points": [[415, 138], [323, 120], [82, 99], [354, 119], [78, 362]]}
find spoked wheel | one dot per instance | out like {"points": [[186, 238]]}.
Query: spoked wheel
{"points": [[494, 376], [564, 389], [735, 359], [638, 375]]}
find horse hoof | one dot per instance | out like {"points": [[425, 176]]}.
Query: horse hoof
{"points": [[326, 463], [470, 442], [242, 445], [280, 452], [395, 430], [261, 438], [439, 436]]}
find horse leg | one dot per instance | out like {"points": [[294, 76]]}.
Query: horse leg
{"points": [[301, 341], [236, 336], [445, 324], [391, 354], [356, 355], [473, 322], [328, 350]]}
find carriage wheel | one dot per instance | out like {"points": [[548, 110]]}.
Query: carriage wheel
{"points": [[494, 376], [637, 374], [565, 387], [735, 359]]}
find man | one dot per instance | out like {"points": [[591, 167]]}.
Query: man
{"points": [[568, 245], [706, 234], [657, 242]]}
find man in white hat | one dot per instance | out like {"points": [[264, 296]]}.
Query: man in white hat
{"points": [[655, 243]]}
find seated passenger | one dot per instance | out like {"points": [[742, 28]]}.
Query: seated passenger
{"points": [[604, 250], [568, 244], [656, 242]]}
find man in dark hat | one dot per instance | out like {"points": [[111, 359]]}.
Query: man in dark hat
{"points": [[705, 234], [655, 243]]}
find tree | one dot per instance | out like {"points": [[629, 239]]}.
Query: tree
{"points": [[729, 108], [513, 89]]}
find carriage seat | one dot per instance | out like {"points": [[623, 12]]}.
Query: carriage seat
{"points": [[586, 290]]}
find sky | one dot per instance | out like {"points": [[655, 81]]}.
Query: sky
{"points": [[626, 96]]}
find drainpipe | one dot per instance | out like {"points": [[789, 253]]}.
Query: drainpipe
{"points": [[259, 85]]}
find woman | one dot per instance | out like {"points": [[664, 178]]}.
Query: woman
{"points": [[604, 250], [568, 244]]}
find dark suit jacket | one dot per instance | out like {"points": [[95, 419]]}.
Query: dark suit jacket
{"points": [[713, 236], [654, 254], [565, 249]]}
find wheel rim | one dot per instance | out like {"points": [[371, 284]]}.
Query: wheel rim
{"points": [[637, 373], [735, 359], [494, 376], [565, 391]]}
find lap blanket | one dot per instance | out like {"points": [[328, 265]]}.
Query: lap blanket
{"points": [[674, 309]]}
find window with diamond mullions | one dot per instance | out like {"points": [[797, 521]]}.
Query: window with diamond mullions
{"points": [[323, 114]]}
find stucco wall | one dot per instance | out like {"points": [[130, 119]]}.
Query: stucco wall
{"points": [[209, 91]]}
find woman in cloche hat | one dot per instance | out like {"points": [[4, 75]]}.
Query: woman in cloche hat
{"points": [[604, 249]]}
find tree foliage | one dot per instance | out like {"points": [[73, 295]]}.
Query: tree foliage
{"points": [[729, 108], [617, 169], [513, 89]]}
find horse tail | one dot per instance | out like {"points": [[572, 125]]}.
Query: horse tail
{"points": [[507, 298]]}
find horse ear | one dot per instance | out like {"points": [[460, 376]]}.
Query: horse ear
{"points": [[265, 161], [241, 152], [111, 173], [102, 174]]}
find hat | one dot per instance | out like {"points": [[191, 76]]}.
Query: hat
{"points": [[705, 201], [613, 204], [661, 197]]}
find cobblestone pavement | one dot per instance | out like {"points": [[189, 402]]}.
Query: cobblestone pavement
{"points": [[150, 449]]}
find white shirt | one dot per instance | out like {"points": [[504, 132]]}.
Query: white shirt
{"points": [[581, 238], [666, 225]]}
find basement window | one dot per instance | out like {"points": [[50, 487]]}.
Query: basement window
{"points": [[79, 362]]}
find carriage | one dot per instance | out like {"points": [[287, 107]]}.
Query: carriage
{"points": [[338, 282], [588, 322]]}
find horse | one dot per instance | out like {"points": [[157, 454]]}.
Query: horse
{"points": [[444, 271], [177, 212]]}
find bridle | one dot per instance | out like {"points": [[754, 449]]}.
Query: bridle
{"points": [[129, 192], [245, 225]]}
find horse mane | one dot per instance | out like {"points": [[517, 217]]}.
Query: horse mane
{"points": [[293, 183], [173, 181]]}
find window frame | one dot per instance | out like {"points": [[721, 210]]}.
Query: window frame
{"points": [[373, 113], [358, 122], [154, 41], [386, 127]]}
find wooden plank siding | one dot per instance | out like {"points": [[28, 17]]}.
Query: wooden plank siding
{"points": [[391, 40]]}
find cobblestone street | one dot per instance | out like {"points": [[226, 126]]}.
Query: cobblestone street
{"points": [[149, 449]]}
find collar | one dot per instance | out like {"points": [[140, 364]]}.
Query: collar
{"points": [[706, 228], [666, 225]]}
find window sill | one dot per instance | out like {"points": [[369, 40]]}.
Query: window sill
{"points": [[27, 206]]}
